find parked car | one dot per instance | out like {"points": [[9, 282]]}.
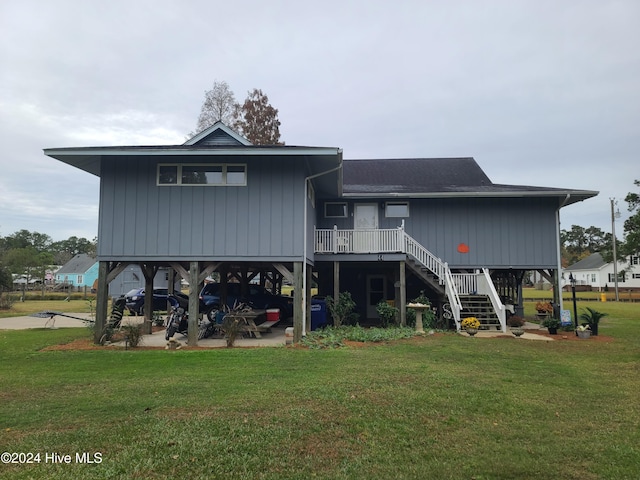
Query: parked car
{"points": [[135, 300], [257, 296]]}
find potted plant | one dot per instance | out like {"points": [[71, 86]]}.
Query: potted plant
{"points": [[583, 331], [471, 325], [544, 309], [516, 323], [592, 318], [552, 324]]}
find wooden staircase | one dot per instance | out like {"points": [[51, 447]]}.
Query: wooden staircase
{"points": [[426, 275], [480, 306]]}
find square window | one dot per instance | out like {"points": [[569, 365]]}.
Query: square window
{"points": [[335, 210], [167, 174], [236, 175]]}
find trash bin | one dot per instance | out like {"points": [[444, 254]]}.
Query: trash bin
{"points": [[603, 297], [318, 314]]}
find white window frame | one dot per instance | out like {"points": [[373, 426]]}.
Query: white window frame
{"points": [[223, 183], [79, 279], [388, 215], [344, 204]]}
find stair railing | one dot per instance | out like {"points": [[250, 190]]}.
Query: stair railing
{"points": [[439, 268], [488, 288]]}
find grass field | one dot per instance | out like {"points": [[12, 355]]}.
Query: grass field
{"points": [[444, 407]]}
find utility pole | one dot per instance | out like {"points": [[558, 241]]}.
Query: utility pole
{"points": [[614, 215]]}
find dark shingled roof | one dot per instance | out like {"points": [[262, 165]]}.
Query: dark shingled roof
{"points": [[413, 175], [592, 262], [435, 177]]}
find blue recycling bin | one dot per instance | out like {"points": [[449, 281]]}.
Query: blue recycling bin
{"points": [[318, 314]]}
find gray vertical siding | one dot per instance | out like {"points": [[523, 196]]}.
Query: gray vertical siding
{"points": [[500, 232], [259, 220]]}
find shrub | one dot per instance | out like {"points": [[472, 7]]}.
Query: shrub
{"points": [[6, 301], [342, 310], [387, 313], [133, 335]]}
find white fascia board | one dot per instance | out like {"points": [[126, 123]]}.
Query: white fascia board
{"points": [[233, 151], [469, 194]]}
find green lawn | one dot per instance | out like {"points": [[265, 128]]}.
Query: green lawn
{"points": [[438, 407]]}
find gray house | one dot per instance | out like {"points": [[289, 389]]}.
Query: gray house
{"points": [[382, 229]]}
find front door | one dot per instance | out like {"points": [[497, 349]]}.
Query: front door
{"points": [[376, 291], [365, 222]]}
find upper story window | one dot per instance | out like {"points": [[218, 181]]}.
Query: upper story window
{"points": [[335, 210], [634, 260], [396, 209], [202, 174]]}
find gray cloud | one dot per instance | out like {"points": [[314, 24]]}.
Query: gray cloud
{"points": [[540, 93]]}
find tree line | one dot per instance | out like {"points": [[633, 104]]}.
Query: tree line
{"points": [[31, 254], [579, 242]]}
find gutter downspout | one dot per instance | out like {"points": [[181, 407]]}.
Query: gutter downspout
{"points": [[303, 297], [559, 280]]}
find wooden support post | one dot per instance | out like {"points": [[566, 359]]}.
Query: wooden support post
{"points": [[102, 300], [149, 272], [403, 294], [307, 307], [298, 310], [336, 281], [194, 304]]}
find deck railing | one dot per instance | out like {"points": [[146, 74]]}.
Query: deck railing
{"points": [[390, 241]]}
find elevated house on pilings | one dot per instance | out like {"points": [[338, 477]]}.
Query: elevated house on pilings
{"points": [[382, 229]]}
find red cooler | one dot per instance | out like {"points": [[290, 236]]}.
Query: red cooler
{"points": [[273, 314]]}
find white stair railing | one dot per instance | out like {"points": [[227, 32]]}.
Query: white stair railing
{"points": [[486, 287]]}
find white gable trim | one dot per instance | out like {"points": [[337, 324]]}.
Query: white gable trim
{"points": [[218, 126]]}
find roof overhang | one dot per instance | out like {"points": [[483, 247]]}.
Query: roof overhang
{"points": [[564, 197], [89, 159]]}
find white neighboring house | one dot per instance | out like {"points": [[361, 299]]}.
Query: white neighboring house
{"points": [[597, 273]]}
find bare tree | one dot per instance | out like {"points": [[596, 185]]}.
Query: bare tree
{"points": [[257, 120], [219, 103]]}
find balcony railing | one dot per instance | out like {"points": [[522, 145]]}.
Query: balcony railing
{"points": [[359, 241]]}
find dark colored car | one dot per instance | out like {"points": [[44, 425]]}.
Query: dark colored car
{"points": [[257, 296], [135, 300]]}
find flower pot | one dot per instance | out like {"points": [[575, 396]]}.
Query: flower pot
{"points": [[517, 331], [584, 333], [553, 330], [594, 328], [471, 331]]}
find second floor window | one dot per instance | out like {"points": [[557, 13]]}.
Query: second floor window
{"points": [[202, 174]]}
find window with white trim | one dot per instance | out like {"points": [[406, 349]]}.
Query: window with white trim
{"points": [[214, 174], [335, 210], [80, 279], [636, 276], [634, 260], [621, 276], [396, 209]]}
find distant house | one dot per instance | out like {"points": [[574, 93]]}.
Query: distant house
{"points": [[80, 271], [382, 229], [593, 272]]}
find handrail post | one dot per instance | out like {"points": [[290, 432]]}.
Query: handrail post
{"points": [[335, 239]]}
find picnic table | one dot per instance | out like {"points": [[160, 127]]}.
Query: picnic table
{"points": [[248, 322]]}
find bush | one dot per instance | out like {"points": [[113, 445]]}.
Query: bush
{"points": [[133, 334], [342, 310], [387, 313], [6, 301]]}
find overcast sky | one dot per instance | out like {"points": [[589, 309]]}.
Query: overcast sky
{"points": [[542, 93]]}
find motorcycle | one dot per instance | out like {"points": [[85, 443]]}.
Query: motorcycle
{"points": [[178, 321]]}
